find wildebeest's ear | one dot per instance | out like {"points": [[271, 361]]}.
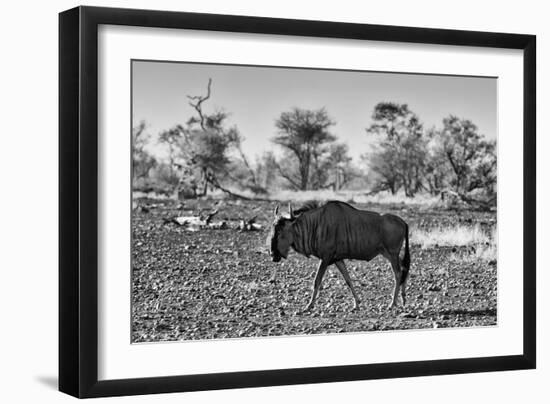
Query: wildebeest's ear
{"points": [[290, 211], [276, 211]]}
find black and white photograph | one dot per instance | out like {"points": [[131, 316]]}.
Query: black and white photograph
{"points": [[275, 202], [281, 201]]}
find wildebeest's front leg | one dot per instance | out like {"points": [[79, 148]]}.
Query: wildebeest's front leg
{"points": [[342, 267], [321, 269]]}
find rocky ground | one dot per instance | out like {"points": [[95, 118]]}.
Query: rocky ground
{"points": [[208, 283]]}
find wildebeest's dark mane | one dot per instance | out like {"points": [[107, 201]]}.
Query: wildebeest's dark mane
{"points": [[309, 205]]}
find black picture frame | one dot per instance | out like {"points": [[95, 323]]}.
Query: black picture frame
{"points": [[78, 201]]}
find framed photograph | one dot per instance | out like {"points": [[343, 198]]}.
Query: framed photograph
{"points": [[251, 201]]}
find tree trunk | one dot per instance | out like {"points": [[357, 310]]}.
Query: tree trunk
{"points": [[204, 183]]}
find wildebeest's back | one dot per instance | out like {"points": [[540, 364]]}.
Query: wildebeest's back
{"points": [[337, 231]]}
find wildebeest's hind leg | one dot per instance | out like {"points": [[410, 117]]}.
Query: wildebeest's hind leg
{"points": [[404, 290], [321, 269], [342, 267], [394, 259]]}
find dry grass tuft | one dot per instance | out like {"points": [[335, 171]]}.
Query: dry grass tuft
{"points": [[486, 253], [482, 245], [457, 236]]}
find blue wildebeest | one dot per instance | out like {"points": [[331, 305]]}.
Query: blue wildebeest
{"points": [[337, 231]]}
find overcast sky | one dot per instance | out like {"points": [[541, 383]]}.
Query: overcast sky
{"points": [[256, 96]]}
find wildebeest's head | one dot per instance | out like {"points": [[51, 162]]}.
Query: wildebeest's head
{"points": [[280, 236]]}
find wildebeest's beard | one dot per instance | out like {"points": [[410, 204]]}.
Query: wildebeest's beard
{"points": [[279, 240]]}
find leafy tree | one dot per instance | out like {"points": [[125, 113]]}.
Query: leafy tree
{"points": [[334, 169], [304, 136], [381, 161], [142, 160], [399, 150], [472, 159], [437, 170], [167, 178], [172, 139]]}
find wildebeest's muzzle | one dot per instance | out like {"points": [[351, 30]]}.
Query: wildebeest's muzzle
{"points": [[273, 251], [275, 256]]}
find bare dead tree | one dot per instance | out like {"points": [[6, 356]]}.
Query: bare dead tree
{"points": [[206, 143], [199, 99]]}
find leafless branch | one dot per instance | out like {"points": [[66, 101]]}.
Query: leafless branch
{"points": [[215, 183], [199, 100], [287, 176]]}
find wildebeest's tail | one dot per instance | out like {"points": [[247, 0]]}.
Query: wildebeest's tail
{"points": [[406, 262]]}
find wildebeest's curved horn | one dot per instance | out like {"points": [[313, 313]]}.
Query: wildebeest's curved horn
{"points": [[276, 211], [290, 211]]}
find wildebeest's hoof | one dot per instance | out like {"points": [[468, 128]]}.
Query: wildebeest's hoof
{"points": [[306, 309]]}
